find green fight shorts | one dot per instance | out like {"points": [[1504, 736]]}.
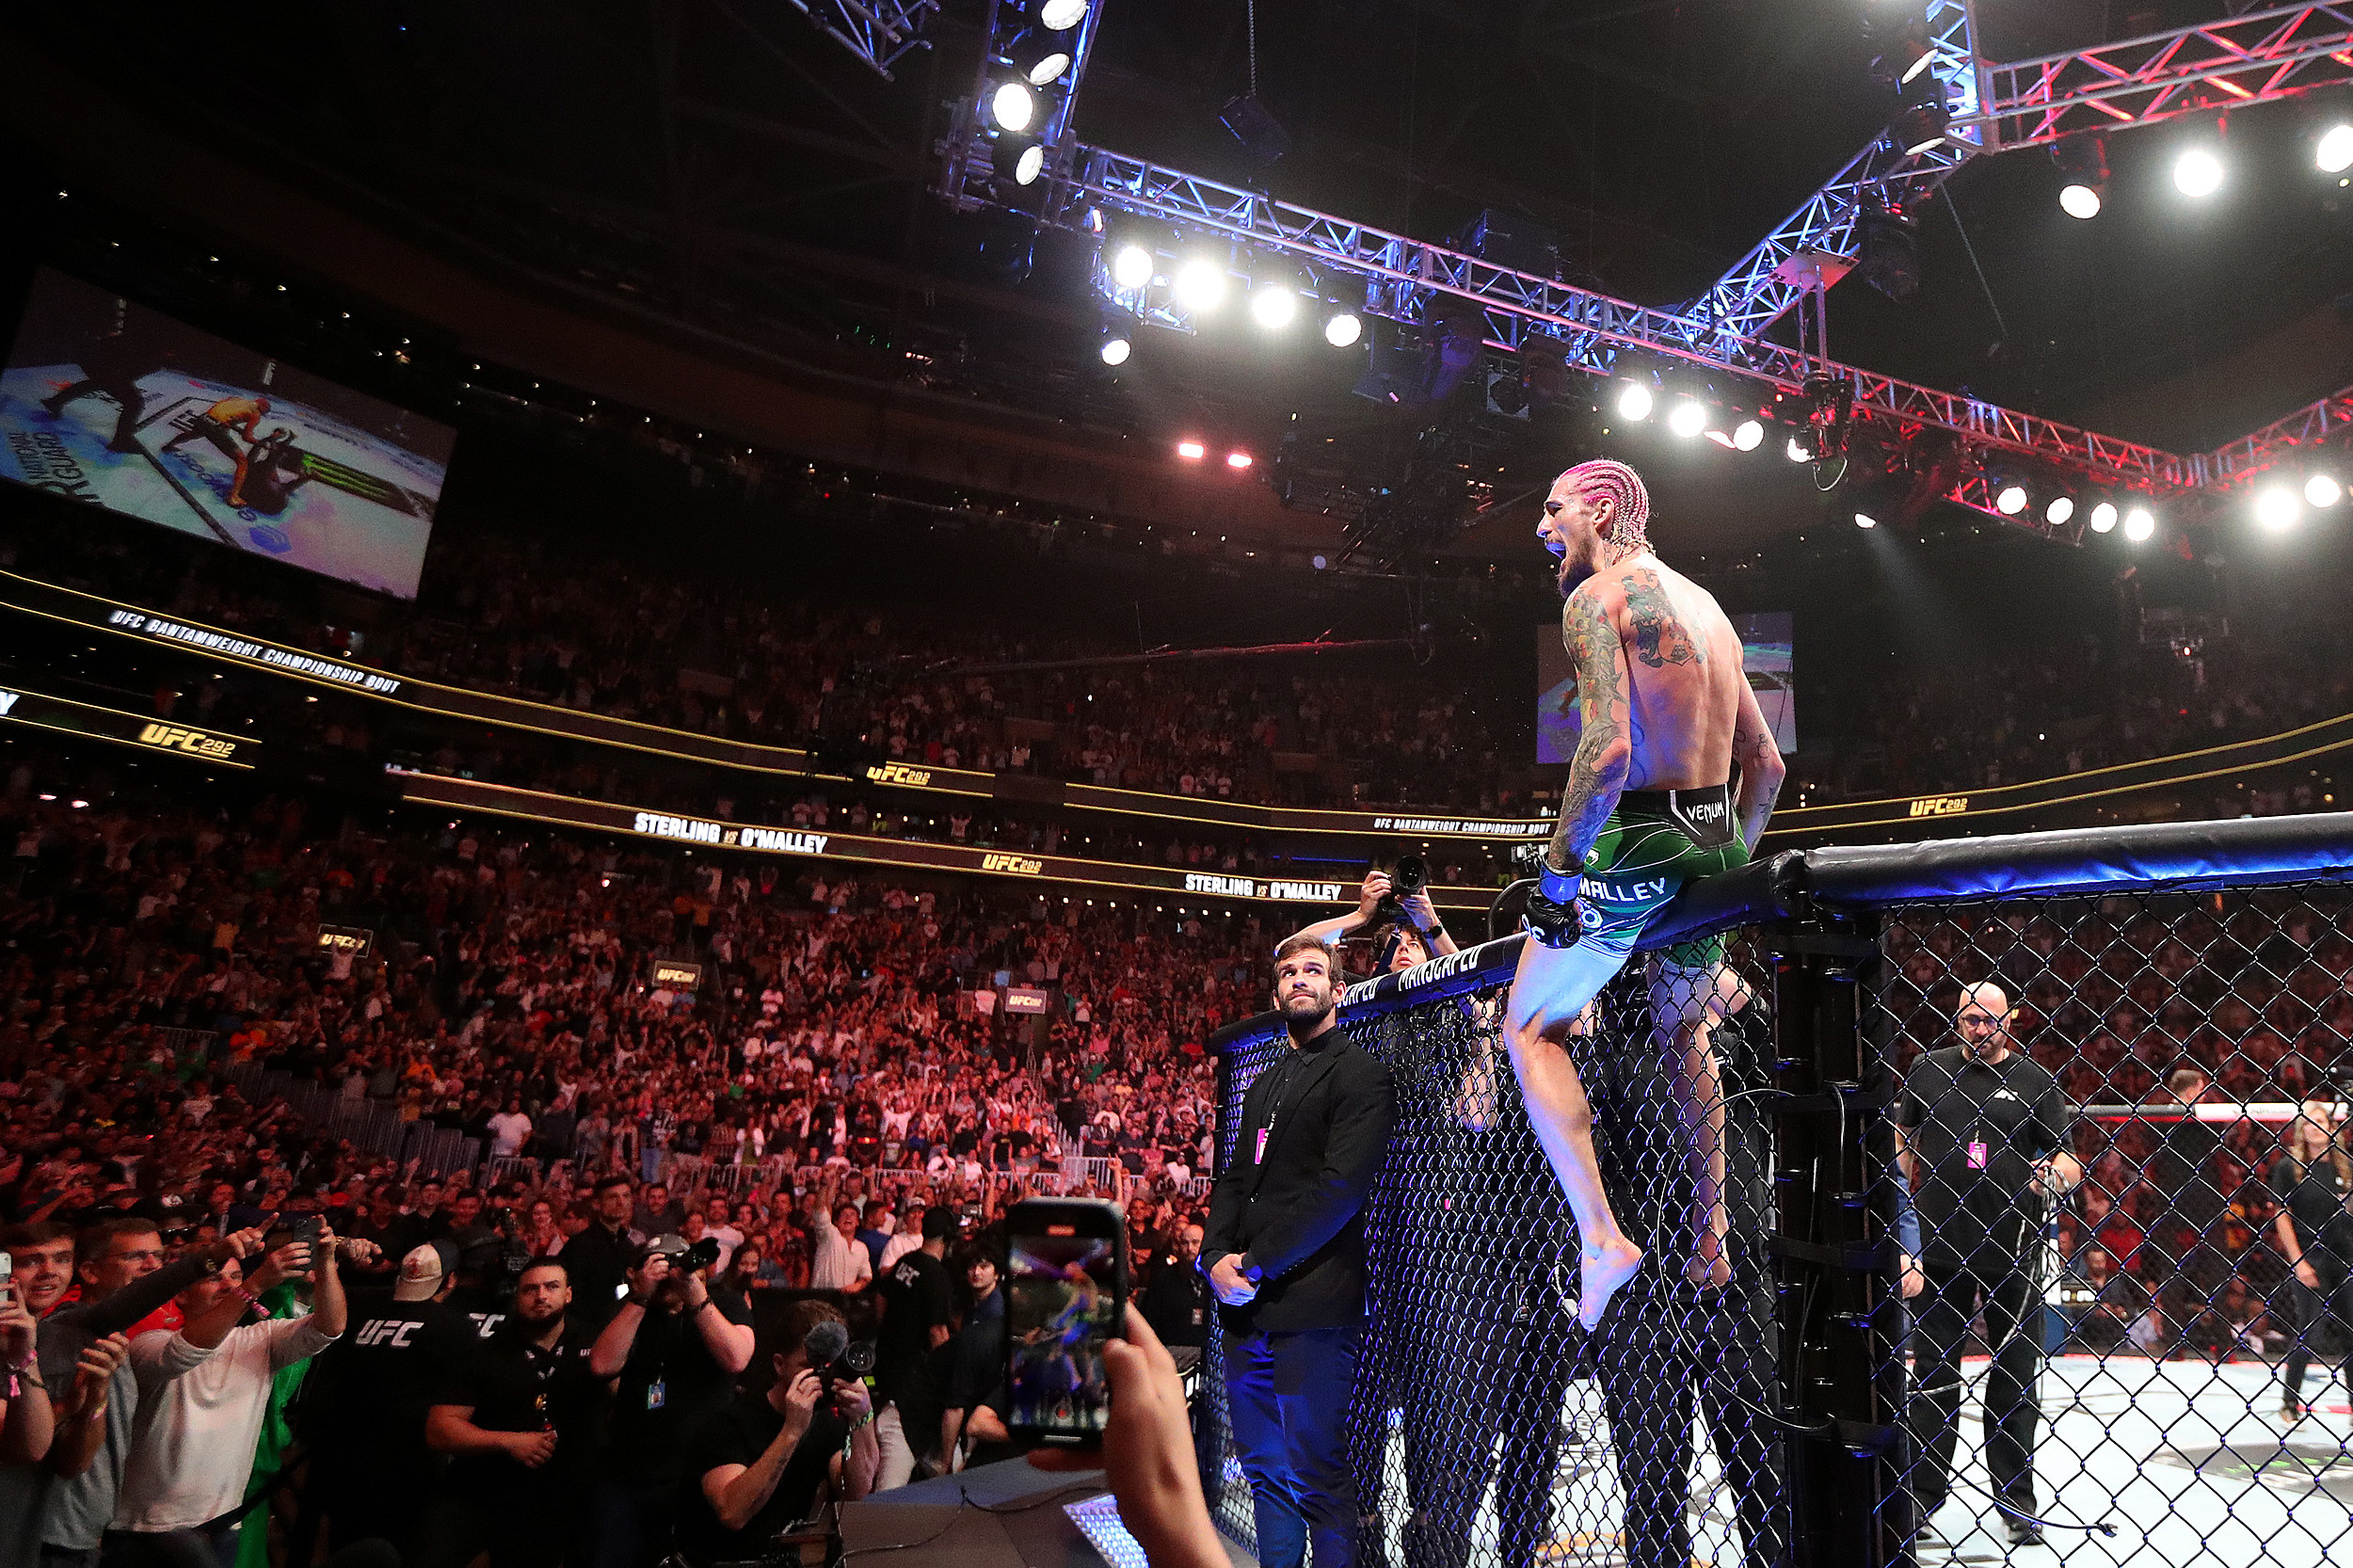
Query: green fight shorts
{"points": [[1654, 842]]}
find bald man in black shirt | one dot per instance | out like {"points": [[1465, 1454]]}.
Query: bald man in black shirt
{"points": [[1983, 1139]]}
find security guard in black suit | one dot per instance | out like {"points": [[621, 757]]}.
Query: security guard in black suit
{"points": [[1286, 1257]]}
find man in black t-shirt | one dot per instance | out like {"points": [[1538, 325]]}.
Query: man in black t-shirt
{"points": [[1983, 1135], [518, 1418], [363, 1405], [677, 1343], [767, 1461], [919, 1305]]}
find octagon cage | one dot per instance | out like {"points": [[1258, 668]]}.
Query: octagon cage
{"points": [[2103, 1069]]}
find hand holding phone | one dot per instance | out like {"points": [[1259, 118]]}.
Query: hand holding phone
{"points": [[1066, 1287]]}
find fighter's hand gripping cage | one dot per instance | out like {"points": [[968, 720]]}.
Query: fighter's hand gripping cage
{"points": [[1804, 1412]]}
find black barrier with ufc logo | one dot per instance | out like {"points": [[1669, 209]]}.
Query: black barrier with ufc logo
{"points": [[2101, 1065]]}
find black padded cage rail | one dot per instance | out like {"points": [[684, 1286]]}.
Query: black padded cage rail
{"points": [[2108, 1365]]}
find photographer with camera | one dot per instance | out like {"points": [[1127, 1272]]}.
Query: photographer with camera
{"points": [[1395, 908], [770, 1459], [517, 1420], [676, 1344]]}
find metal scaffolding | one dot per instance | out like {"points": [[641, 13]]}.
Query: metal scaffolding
{"points": [[1336, 263], [877, 31], [2239, 60]]}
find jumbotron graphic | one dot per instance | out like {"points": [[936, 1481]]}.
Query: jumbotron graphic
{"points": [[110, 403]]}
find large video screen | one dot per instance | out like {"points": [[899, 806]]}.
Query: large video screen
{"points": [[108, 402], [1768, 643]]}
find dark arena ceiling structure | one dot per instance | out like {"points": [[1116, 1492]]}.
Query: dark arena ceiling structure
{"points": [[786, 176]]}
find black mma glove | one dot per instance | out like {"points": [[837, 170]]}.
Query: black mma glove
{"points": [[1552, 912]]}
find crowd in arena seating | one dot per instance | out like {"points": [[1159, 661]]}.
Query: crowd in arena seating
{"points": [[2046, 707]]}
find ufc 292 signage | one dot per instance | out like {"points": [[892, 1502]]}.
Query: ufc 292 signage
{"points": [[196, 742], [42, 712]]}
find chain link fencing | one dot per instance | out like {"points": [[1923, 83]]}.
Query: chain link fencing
{"points": [[2129, 1334], [2125, 1344]]}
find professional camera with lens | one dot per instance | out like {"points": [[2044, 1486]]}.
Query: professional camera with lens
{"points": [[1409, 876], [834, 1356], [702, 1254]]}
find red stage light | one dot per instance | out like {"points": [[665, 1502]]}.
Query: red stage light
{"points": [[1238, 459], [1191, 451]]}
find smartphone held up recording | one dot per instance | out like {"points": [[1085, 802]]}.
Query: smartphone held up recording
{"points": [[1066, 1287]]}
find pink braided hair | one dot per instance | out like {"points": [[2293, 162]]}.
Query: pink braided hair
{"points": [[1605, 479]]}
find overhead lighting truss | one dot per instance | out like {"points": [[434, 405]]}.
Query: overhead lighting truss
{"points": [[879, 32], [1589, 330], [1754, 293], [2250, 58], [1016, 32], [2254, 58], [2238, 60]]}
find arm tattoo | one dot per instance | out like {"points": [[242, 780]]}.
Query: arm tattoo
{"points": [[1659, 637], [1595, 779]]}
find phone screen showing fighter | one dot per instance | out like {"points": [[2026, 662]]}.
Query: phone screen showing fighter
{"points": [[1066, 1287]]}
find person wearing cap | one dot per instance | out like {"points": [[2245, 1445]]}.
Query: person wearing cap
{"points": [[677, 1345], [910, 1235], [918, 1307], [364, 1406]]}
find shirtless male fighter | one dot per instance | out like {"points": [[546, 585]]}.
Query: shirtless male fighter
{"points": [[1666, 713]]}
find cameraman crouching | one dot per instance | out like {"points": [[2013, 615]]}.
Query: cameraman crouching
{"points": [[676, 1344], [769, 1460]]}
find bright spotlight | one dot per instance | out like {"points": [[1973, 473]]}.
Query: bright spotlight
{"points": [[2103, 517], [1115, 351], [1032, 164], [1200, 284], [1864, 520], [1687, 419], [1060, 16], [1272, 306], [1131, 266], [2197, 172], [1748, 436], [1635, 401], [1798, 454], [2335, 152], [2278, 508], [2140, 525], [1343, 330], [1192, 451], [1049, 65], [2079, 201], [2010, 500], [1237, 461], [2059, 510], [1012, 105], [2322, 490]]}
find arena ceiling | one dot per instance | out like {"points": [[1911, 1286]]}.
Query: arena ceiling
{"points": [[721, 162]]}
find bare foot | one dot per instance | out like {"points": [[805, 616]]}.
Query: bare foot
{"points": [[1601, 1271], [1710, 1267]]}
